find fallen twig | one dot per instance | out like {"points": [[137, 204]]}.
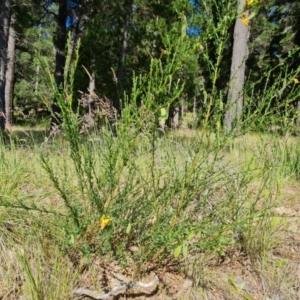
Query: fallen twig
{"points": [[116, 289]]}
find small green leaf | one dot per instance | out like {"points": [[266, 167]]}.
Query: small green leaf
{"points": [[241, 286], [128, 229], [72, 239], [281, 262], [252, 15], [267, 193], [185, 250], [177, 251], [275, 221], [190, 236]]}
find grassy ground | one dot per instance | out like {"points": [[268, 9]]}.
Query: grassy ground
{"points": [[214, 217]]}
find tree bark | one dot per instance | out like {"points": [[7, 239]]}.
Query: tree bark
{"points": [[10, 72], [4, 26], [60, 57], [120, 71], [75, 31], [237, 72], [60, 43], [37, 73], [92, 84]]}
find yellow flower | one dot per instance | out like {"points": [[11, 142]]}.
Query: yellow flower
{"points": [[249, 2], [245, 20], [104, 221], [295, 80]]}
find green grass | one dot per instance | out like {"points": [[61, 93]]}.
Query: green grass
{"points": [[177, 200]]}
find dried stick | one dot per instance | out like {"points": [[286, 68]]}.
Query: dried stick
{"points": [[116, 289]]}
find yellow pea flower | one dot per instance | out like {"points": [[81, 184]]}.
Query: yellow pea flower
{"points": [[245, 20], [200, 46], [249, 2], [104, 221], [295, 80]]}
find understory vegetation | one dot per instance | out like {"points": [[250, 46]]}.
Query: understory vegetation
{"points": [[179, 201], [182, 201], [176, 202]]}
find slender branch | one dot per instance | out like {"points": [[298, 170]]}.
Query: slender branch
{"points": [[87, 72]]}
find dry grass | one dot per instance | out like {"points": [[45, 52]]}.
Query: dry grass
{"points": [[32, 265]]}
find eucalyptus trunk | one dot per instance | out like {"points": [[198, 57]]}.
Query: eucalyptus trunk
{"points": [[4, 25], [237, 73]]}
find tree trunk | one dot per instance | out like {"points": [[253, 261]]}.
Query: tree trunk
{"points": [[195, 108], [4, 25], [37, 73], [237, 72], [75, 33], [10, 72], [60, 57], [120, 71], [92, 85], [175, 117]]}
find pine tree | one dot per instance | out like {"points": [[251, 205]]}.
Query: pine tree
{"points": [[10, 70], [4, 26], [238, 65]]}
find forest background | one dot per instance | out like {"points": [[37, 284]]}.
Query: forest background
{"points": [[119, 40]]}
